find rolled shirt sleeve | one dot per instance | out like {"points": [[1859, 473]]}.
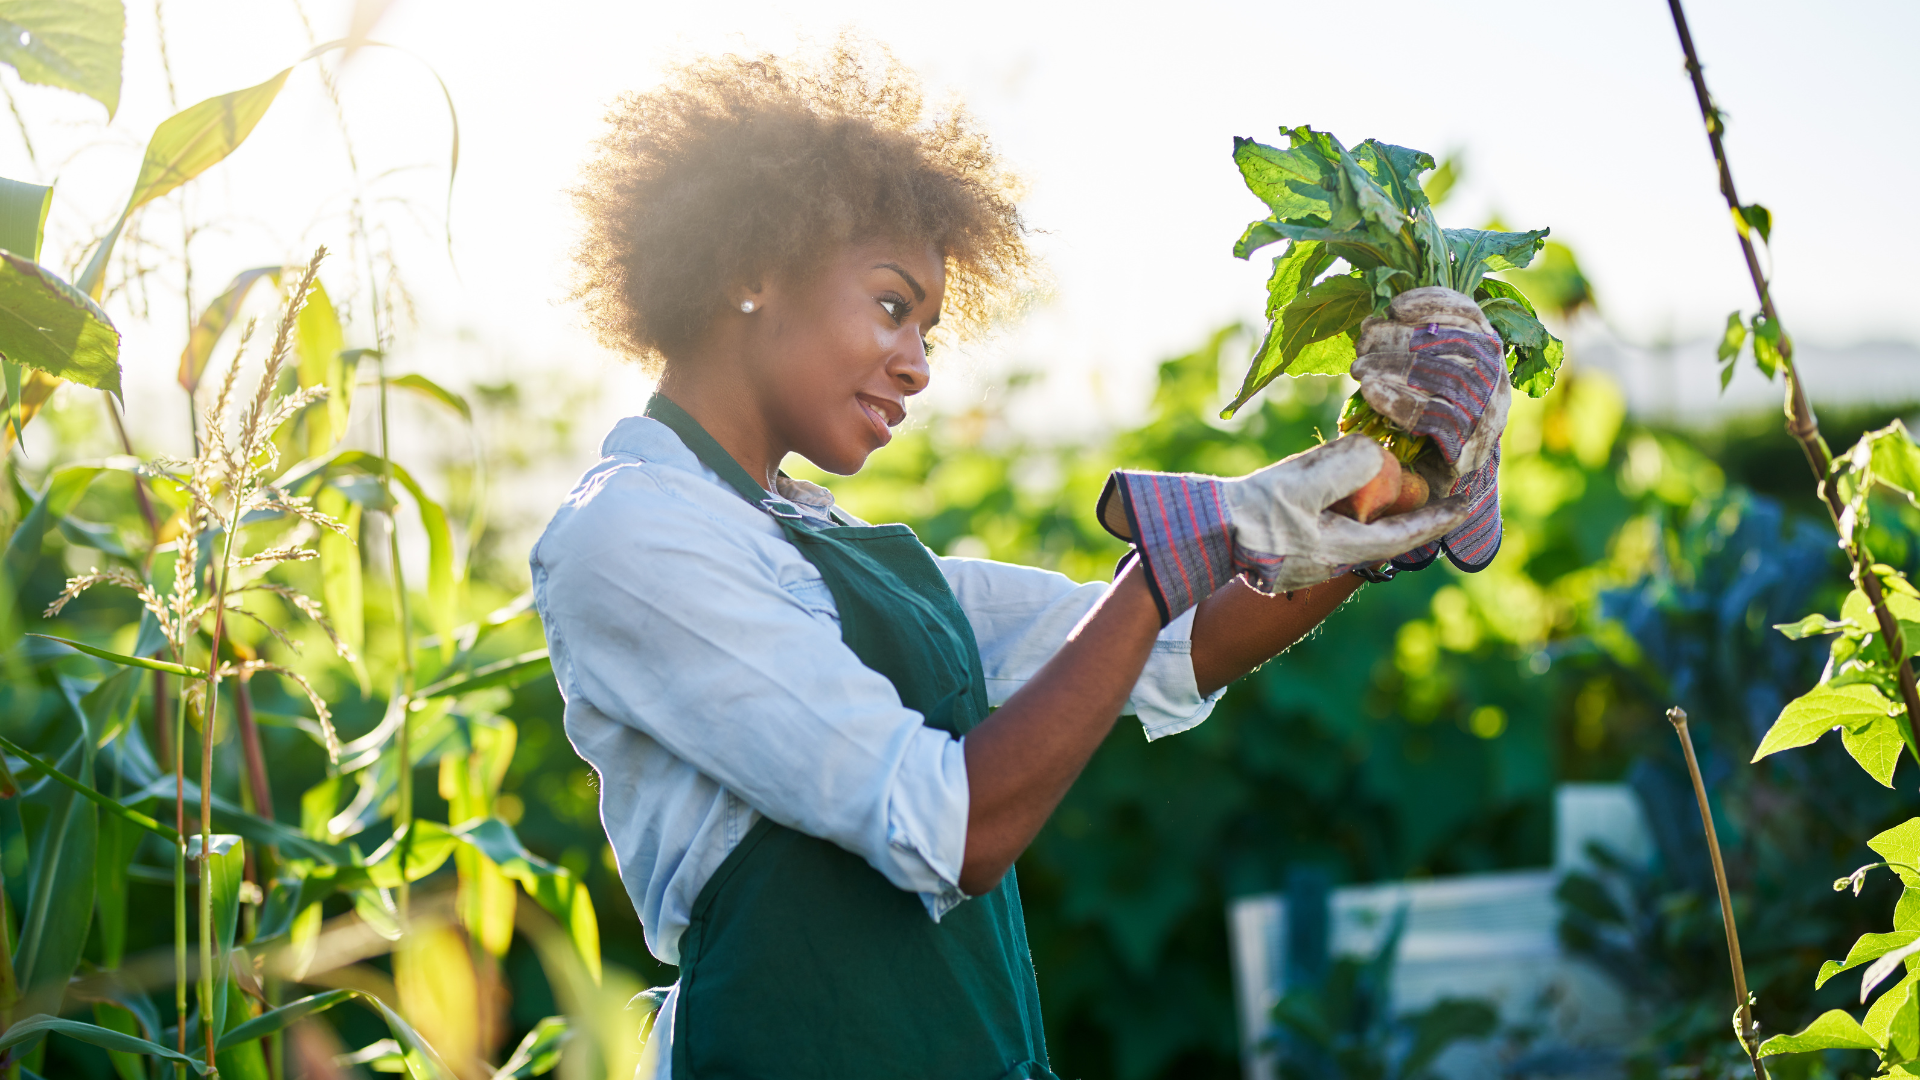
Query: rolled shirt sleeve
{"points": [[664, 619], [1021, 615]]}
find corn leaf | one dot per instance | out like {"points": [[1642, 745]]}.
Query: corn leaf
{"points": [[549, 885], [185, 145], [122, 658], [539, 1052], [342, 592], [63, 490], [228, 863], [116, 1017], [421, 1061], [318, 341], [113, 854], [214, 321], [58, 913], [509, 672], [244, 1060], [427, 844], [23, 216], [39, 1026], [53, 327], [432, 391], [71, 44], [279, 1019], [1831, 1030]]}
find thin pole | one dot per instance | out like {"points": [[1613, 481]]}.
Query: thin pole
{"points": [[1749, 1032]]}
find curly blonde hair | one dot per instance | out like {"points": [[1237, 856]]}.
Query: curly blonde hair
{"points": [[737, 168]]}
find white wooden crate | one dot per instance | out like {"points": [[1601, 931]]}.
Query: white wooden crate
{"points": [[1489, 936]]}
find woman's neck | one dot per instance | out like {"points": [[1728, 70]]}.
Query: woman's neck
{"points": [[725, 406]]}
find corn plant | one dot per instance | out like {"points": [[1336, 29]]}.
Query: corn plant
{"points": [[132, 739], [1867, 691]]}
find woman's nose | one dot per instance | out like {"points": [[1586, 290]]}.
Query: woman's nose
{"points": [[909, 366]]}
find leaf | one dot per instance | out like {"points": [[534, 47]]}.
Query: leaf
{"points": [[1496, 250], [23, 215], [1884, 966], [342, 592], [1895, 460], [242, 1060], [1813, 625], [319, 342], [113, 853], [1831, 1030], [1397, 170], [38, 1026], [1333, 356], [71, 44], [278, 1019], [214, 321], [53, 327], [1293, 183], [58, 913], [509, 672], [1868, 948], [1303, 261], [1881, 1015], [1257, 235], [1756, 217], [421, 1060], [430, 845], [131, 661], [1901, 844], [185, 145], [549, 885], [433, 391], [1767, 343], [116, 1017], [1517, 326], [1331, 308], [1819, 711], [539, 1052], [228, 865], [1733, 339], [441, 613], [1876, 745], [1537, 369]]}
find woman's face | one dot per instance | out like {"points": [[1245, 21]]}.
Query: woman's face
{"points": [[836, 353]]}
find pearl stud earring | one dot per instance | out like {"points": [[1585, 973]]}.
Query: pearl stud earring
{"points": [[746, 307]]}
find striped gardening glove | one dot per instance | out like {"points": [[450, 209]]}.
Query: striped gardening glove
{"points": [[1435, 367], [1196, 533]]}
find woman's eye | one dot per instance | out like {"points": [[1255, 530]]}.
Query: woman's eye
{"points": [[895, 309]]}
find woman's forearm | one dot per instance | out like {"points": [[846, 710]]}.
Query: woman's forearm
{"points": [[1239, 628], [1023, 758]]}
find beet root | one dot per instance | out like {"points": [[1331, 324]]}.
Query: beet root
{"points": [[1393, 490]]}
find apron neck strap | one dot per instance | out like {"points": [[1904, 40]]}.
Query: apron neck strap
{"points": [[710, 453]]}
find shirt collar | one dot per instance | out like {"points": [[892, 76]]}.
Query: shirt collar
{"points": [[650, 440]]}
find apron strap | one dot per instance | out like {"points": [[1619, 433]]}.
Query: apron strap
{"points": [[715, 457]]}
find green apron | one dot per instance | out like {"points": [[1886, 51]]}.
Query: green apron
{"points": [[800, 960]]}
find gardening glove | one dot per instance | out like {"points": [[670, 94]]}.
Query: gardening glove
{"points": [[1196, 533], [1435, 367]]}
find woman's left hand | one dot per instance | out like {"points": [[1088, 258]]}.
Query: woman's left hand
{"points": [[1435, 367]]}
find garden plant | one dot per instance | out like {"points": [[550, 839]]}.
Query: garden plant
{"points": [[213, 604]]}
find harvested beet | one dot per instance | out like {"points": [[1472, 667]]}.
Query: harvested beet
{"points": [[1393, 490]]}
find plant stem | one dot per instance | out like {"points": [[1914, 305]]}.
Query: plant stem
{"points": [[209, 1023], [403, 748], [1801, 422], [1748, 1030], [180, 870]]}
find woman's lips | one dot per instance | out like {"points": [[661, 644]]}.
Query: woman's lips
{"points": [[883, 415]]}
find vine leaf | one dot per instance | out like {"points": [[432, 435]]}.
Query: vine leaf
{"points": [[1831, 1030], [1880, 1021], [1901, 845], [1815, 624], [1869, 948], [1857, 709]]}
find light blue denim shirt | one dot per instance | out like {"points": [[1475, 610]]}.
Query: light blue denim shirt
{"points": [[705, 680]]}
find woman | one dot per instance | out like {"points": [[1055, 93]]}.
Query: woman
{"points": [[813, 811]]}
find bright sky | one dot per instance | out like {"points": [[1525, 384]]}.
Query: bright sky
{"points": [[1576, 116]]}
